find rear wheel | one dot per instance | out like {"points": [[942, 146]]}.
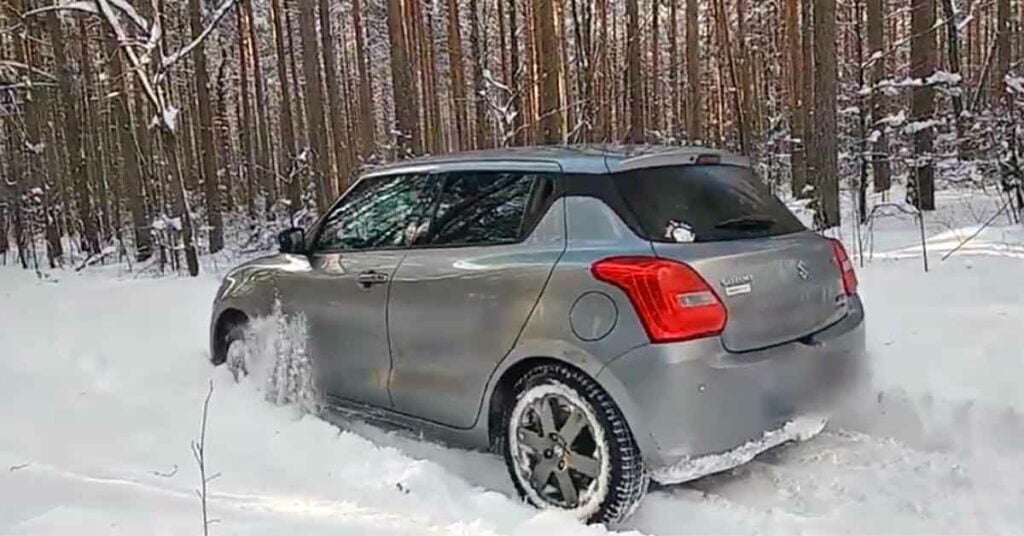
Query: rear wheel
{"points": [[568, 447]]}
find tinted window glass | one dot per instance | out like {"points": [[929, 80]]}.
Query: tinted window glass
{"points": [[704, 203], [482, 208], [381, 212]]}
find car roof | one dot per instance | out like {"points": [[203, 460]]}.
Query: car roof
{"points": [[584, 159]]}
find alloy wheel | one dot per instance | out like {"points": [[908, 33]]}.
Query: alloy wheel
{"points": [[558, 448]]}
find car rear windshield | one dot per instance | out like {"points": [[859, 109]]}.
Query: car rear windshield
{"points": [[704, 203]]}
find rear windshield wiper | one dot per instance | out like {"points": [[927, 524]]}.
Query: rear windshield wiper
{"points": [[752, 221]]}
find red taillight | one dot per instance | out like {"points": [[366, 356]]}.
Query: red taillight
{"points": [[845, 267], [673, 301]]}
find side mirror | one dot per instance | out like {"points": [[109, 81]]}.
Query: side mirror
{"points": [[292, 240]]}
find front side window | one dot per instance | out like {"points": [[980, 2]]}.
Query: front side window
{"points": [[380, 212], [482, 208]]}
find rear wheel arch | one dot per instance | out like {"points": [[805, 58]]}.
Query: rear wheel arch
{"points": [[228, 320], [504, 392]]}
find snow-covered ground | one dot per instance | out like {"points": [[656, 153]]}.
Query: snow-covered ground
{"points": [[103, 376]]}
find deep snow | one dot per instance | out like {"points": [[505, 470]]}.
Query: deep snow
{"points": [[102, 378]]}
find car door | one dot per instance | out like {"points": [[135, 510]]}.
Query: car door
{"points": [[353, 255], [461, 297]]}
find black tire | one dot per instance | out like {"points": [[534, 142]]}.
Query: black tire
{"points": [[627, 478], [236, 363]]}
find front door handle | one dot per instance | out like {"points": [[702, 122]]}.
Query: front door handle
{"points": [[369, 278]]}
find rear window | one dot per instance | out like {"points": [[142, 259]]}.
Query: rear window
{"points": [[704, 203]]}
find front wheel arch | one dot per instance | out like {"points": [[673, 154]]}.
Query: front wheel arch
{"points": [[228, 320]]}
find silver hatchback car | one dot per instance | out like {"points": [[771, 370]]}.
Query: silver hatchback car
{"points": [[600, 316]]}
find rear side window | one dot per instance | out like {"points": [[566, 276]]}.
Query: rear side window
{"points": [[703, 203], [482, 208]]}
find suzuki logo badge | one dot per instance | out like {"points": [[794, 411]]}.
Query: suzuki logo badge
{"points": [[802, 271]]}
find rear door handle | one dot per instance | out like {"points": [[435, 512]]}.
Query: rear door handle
{"points": [[369, 278]]}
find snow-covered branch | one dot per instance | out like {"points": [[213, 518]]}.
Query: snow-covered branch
{"points": [[92, 7]]}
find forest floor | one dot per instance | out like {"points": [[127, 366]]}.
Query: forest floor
{"points": [[103, 377]]}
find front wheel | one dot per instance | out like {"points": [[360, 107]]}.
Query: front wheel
{"points": [[567, 446], [236, 351]]}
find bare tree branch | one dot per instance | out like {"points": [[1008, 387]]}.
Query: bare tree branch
{"points": [[219, 14], [21, 66]]}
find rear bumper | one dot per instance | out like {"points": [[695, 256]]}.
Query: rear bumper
{"points": [[694, 399]]}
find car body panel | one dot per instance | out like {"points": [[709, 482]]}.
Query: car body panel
{"points": [[346, 320], [455, 312]]}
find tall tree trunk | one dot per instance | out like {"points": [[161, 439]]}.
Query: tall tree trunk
{"points": [[797, 113], [880, 150], [551, 124], [301, 133], [130, 150], [1004, 41], [530, 81], [222, 126], [458, 74], [604, 81], [922, 107], [181, 208], [695, 106], [634, 82], [824, 145], [954, 52], [673, 66], [207, 143], [317, 130], [746, 85], [433, 98], [248, 172], [367, 134], [862, 119], [506, 76], [654, 102], [403, 87], [809, 100], [286, 123], [479, 62], [334, 97], [261, 115], [418, 51], [737, 89], [24, 170], [41, 163], [94, 135], [516, 75], [79, 171]]}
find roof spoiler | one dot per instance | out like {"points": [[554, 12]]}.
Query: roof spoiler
{"points": [[679, 157]]}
